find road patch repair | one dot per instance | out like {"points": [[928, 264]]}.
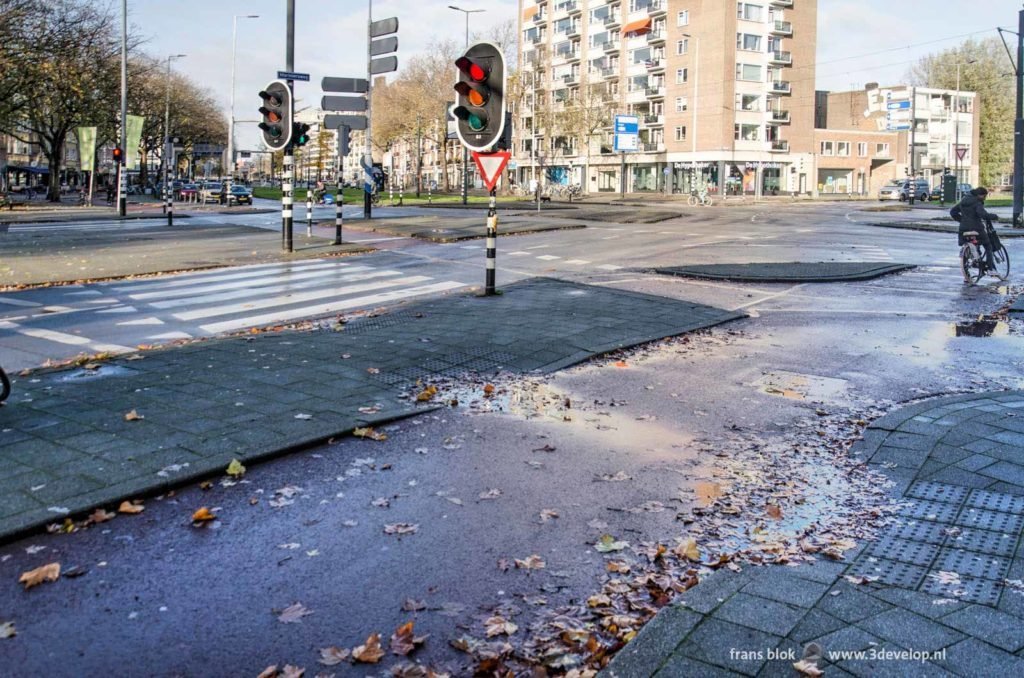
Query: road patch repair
{"points": [[75, 439], [614, 214], [448, 229], [944, 225], [791, 272]]}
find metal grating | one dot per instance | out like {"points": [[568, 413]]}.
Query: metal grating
{"points": [[358, 326], [972, 564], [914, 552], [969, 589], [950, 494], [996, 501], [891, 572], [919, 530], [993, 521], [994, 543], [390, 378], [930, 510]]}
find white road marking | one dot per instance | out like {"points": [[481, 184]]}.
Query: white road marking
{"points": [[548, 257], [18, 302], [171, 335], [577, 261], [609, 267], [233, 273], [538, 247], [517, 254], [118, 309], [61, 337], [141, 321], [471, 247], [197, 288], [331, 307]]}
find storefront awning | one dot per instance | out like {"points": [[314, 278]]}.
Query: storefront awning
{"points": [[530, 12], [637, 26], [29, 170]]}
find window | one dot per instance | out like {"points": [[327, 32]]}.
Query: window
{"points": [[862, 149], [826, 148], [748, 102], [751, 72], [882, 150], [683, 18], [600, 14], [600, 39], [682, 74], [746, 132], [563, 26], [637, 82], [639, 56], [748, 12], [680, 104], [746, 41], [843, 148], [681, 133], [683, 46]]}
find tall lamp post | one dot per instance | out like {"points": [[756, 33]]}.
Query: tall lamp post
{"points": [[465, 152], [231, 113], [168, 145], [696, 71], [122, 181], [956, 132]]}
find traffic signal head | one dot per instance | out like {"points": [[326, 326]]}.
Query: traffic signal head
{"points": [[480, 109], [277, 115], [344, 141], [300, 136], [118, 156]]}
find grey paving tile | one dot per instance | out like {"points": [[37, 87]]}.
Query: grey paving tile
{"points": [[815, 624], [910, 631], [679, 665], [975, 462], [728, 646], [644, 655], [972, 657], [759, 613], [918, 603], [851, 605], [781, 584], [997, 628], [715, 589]]}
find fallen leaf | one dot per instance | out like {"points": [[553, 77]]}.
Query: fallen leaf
{"points": [[504, 565], [426, 394], [403, 641], [131, 507], [290, 671], [329, 656], [546, 448], [203, 514], [617, 566], [413, 605], [101, 516], [48, 572], [381, 502], [488, 389], [7, 630], [622, 363], [773, 511], [533, 562], [293, 614], [133, 416], [373, 370], [807, 668], [368, 432], [859, 580], [599, 600], [401, 528], [499, 625], [269, 672], [548, 514], [369, 652], [616, 478], [492, 493], [303, 416], [607, 544], [687, 549], [454, 500], [235, 469]]}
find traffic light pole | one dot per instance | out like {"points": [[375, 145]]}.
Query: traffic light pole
{"points": [[289, 160], [913, 139], [369, 182], [122, 180], [492, 244], [1018, 131]]}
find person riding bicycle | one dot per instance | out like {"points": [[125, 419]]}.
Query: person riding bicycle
{"points": [[971, 214]]}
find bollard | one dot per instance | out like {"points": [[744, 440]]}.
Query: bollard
{"points": [[430, 200], [391, 191], [339, 202], [401, 192], [286, 201], [309, 213], [492, 244], [170, 206]]}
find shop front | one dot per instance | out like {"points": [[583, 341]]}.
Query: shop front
{"points": [[688, 177]]}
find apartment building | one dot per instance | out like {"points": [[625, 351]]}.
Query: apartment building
{"points": [[932, 124], [724, 92]]}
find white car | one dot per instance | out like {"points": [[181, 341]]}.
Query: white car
{"points": [[892, 190]]}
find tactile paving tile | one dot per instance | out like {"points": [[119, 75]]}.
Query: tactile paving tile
{"points": [[918, 530], [972, 563], [994, 543], [996, 501], [930, 510], [891, 572], [969, 589], [994, 521], [950, 494], [903, 550]]}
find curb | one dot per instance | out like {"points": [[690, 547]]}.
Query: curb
{"points": [[870, 273]]}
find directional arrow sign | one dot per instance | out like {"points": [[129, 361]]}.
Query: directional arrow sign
{"points": [[354, 104], [352, 121], [385, 46], [384, 27], [385, 65], [346, 85], [490, 166]]}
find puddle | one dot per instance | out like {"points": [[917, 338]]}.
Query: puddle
{"points": [[527, 400], [979, 328], [706, 493], [798, 386], [98, 373]]}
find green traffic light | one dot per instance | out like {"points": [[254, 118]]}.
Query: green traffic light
{"points": [[476, 122]]}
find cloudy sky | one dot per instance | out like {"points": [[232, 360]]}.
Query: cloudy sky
{"points": [[858, 40]]}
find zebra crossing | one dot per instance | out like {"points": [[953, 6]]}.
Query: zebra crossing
{"points": [[118, 316], [872, 253]]}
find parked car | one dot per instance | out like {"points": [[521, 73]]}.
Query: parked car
{"points": [[936, 193], [188, 192], [920, 190], [241, 195], [892, 190], [210, 191]]}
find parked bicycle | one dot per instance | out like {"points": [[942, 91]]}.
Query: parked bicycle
{"points": [[5, 386], [972, 260], [701, 198]]}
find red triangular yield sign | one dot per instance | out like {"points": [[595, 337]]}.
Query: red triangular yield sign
{"points": [[961, 152], [490, 166]]}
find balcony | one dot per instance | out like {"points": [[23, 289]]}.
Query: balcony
{"points": [[784, 58], [779, 118], [655, 64], [780, 146], [655, 37], [651, 147], [655, 92], [612, 20], [566, 7], [781, 3], [784, 28], [570, 78], [611, 46], [540, 18], [575, 8], [657, 8], [779, 87], [610, 73], [653, 120], [574, 30]]}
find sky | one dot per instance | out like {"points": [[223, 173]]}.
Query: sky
{"points": [[859, 41]]}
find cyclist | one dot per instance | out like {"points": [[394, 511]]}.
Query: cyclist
{"points": [[971, 214]]}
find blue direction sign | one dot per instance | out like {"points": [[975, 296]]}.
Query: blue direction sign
{"points": [[288, 75], [893, 105], [627, 133]]}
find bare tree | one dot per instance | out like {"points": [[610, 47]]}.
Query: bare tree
{"points": [[589, 111]]}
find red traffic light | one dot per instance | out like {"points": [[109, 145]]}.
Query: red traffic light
{"points": [[475, 71], [118, 155]]}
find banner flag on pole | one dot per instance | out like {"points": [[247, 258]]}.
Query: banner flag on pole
{"points": [[86, 147], [132, 138]]}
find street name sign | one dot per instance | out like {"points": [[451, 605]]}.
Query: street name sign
{"points": [[288, 75], [627, 133]]}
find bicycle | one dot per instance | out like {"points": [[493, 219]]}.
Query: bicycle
{"points": [[575, 191], [375, 198], [972, 262], [5, 386], [701, 198]]}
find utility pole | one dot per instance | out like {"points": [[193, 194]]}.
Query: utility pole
{"points": [[1018, 131], [122, 180], [913, 139], [288, 171], [368, 159], [419, 154]]}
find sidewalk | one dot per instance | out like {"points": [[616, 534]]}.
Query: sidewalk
{"points": [[944, 578], [66, 446]]}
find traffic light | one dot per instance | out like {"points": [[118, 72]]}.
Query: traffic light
{"points": [[300, 136], [344, 140], [480, 109], [277, 115], [118, 156]]}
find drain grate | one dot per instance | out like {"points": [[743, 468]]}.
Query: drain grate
{"points": [[919, 530], [949, 494], [891, 572], [369, 324], [972, 564], [994, 521], [968, 589], [930, 510], [390, 379], [993, 543], [914, 552], [996, 501]]}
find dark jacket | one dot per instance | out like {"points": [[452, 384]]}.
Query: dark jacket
{"points": [[971, 214]]}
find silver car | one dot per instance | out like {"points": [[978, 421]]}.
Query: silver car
{"points": [[891, 191]]}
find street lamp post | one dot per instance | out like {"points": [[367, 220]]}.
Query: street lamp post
{"points": [[122, 180], [465, 151], [168, 146], [231, 113]]}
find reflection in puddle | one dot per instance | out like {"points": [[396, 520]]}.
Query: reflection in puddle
{"points": [[801, 386], [979, 328], [104, 370], [706, 493]]}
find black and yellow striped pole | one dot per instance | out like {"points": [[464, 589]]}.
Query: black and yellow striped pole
{"points": [[492, 243]]}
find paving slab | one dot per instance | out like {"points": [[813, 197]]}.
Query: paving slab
{"points": [[454, 229], [787, 272], [67, 444]]}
